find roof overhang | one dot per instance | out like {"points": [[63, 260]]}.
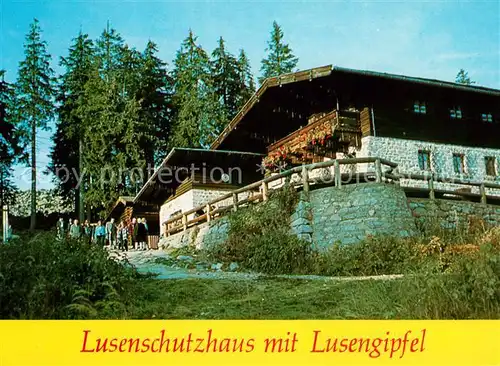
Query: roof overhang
{"points": [[198, 160], [282, 104], [120, 204]]}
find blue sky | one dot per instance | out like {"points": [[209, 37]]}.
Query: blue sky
{"points": [[427, 39]]}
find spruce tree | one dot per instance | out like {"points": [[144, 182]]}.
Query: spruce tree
{"points": [[111, 118], [155, 96], [34, 99], [8, 141], [111, 137], [226, 82], [463, 78], [247, 84], [280, 59], [193, 98], [67, 153], [109, 52]]}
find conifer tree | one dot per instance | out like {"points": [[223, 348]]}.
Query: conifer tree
{"points": [[8, 141], [67, 153], [111, 136], [226, 83], [280, 59], [155, 96], [112, 127], [109, 52], [463, 78], [247, 84], [34, 99], [193, 99]]}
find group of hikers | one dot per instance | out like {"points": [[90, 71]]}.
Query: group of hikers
{"points": [[133, 234]]}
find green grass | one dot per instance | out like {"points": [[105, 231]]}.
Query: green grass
{"points": [[43, 278], [301, 299]]}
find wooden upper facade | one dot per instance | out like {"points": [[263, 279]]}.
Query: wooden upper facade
{"points": [[386, 105], [184, 167]]}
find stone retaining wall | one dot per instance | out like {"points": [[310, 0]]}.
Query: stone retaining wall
{"points": [[201, 236], [450, 213], [351, 213], [348, 215]]}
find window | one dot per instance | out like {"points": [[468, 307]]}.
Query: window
{"points": [[424, 160], [489, 161], [458, 164], [456, 113], [419, 107], [487, 117]]}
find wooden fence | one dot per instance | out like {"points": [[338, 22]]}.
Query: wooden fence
{"points": [[259, 191], [384, 171]]}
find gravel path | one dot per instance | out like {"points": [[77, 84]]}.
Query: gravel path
{"points": [[145, 261]]}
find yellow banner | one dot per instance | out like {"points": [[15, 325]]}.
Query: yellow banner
{"points": [[93, 343]]}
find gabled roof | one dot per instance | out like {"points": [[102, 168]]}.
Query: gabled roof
{"points": [[324, 72], [412, 79], [184, 157], [122, 200]]}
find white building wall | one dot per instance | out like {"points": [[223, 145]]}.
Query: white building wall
{"points": [[193, 198], [184, 202], [405, 154]]}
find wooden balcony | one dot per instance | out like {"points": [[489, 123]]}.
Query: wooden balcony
{"points": [[324, 135]]}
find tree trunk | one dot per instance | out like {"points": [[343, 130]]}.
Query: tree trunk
{"points": [[81, 208], [33, 177], [1, 187]]}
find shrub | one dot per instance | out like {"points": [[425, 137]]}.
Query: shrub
{"points": [[43, 278], [470, 288], [373, 256], [259, 237]]}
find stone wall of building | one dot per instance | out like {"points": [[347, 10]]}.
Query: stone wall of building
{"points": [[405, 154], [202, 196], [351, 213], [451, 214], [201, 236]]}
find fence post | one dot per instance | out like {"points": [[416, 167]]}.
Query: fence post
{"points": [[336, 172], [482, 190], [430, 184], [235, 202], [305, 179], [378, 171], [264, 191], [184, 222], [208, 212], [5, 220], [395, 172]]}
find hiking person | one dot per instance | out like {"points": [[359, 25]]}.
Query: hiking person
{"points": [[60, 228], [146, 233], [75, 231], [111, 233], [119, 241], [9, 233], [100, 234], [87, 231], [140, 235], [68, 227], [133, 232], [122, 235]]}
